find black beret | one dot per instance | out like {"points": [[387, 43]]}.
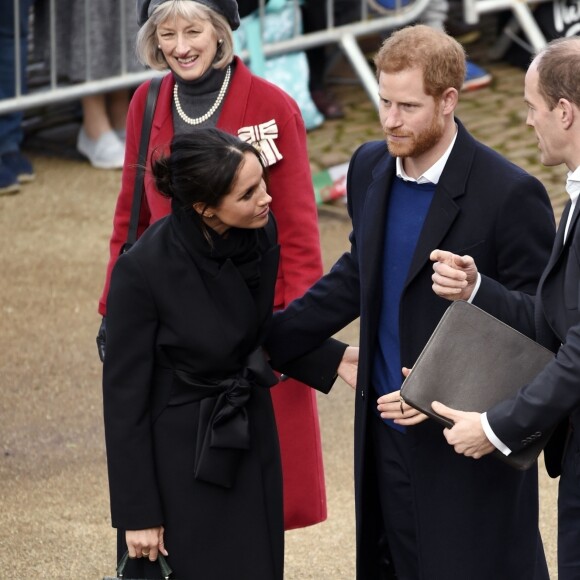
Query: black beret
{"points": [[227, 8]]}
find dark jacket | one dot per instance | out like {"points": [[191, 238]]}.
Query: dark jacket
{"points": [[553, 319], [475, 520], [190, 430]]}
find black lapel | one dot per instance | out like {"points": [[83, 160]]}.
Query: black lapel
{"points": [[444, 209], [559, 243], [549, 281], [373, 220], [573, 222]]}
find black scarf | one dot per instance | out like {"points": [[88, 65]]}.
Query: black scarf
{"points": [[239, 245]]}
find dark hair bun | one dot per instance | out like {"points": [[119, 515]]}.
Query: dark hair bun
{"points": [[162, 175]]}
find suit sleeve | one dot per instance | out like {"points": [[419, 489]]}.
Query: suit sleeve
{"points": [[317, 368], [543, 403], [550, 397], [127, 385], [513, 307], [329, 305], [553, 394]]}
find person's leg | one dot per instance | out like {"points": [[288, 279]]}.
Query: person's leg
{"points": [[314, 19], [435, 14], [392, 457], [97, 140], [569, 513], [95, 117], [118, 106], [14, 168]]}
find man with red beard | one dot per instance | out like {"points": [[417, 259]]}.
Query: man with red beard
{"points": [[422, 511]]}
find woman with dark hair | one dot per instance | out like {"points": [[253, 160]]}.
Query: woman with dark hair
{"points": [[208, 87], [192, 447]]}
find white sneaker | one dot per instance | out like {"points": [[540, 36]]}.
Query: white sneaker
{"points": [[106, 152], [122, 134]]}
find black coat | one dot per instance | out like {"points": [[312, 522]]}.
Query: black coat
{"points": [[475, 519], [553, 319], [175, 319]]}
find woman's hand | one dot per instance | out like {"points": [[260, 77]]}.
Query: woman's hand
{"points": [[145, 543], [348, 367]]}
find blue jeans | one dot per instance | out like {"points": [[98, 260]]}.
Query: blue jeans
{"points": [[11, 124]]}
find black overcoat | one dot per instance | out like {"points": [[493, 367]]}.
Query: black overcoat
{"points": [[176, 319], [475, 519]]}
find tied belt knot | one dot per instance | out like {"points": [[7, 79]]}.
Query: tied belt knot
{"points": [[230, 427], [223, 433]]}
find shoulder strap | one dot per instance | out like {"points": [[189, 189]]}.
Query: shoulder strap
{"points": [[152, 94]]}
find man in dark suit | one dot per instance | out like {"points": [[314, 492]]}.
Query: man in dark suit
{"points": [[431, 513], [552, 92]]}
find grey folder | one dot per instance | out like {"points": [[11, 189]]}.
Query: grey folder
{"points": [[471, 362]]}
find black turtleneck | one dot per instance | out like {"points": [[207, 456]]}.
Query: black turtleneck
{"points": [[197, 97]]}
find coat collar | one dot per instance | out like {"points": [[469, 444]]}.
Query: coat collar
{"points": [[444, 209], [441, 215], [226, 285], [374, 219]]}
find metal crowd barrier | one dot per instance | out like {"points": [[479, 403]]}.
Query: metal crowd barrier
{"points": [[522, 20], [345, 36]]}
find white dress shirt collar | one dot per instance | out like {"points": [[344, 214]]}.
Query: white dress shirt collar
{"points": [[433, 174], [573, 184], [573, 190]]}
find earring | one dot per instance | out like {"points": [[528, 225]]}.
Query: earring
{"points": [[220, 41], [159, 46]]}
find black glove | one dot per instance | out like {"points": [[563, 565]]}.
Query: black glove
{"points": [[102, 339]]}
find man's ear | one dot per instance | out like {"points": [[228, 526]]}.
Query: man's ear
{"points": [[449, 100], [568, 113]]}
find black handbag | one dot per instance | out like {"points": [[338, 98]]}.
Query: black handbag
{"points": [[166, 571]]}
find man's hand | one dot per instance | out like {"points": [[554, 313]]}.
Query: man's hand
{"points": [[454, 276], [102, 339], [466, 436], [348, 367], [392, 406]]}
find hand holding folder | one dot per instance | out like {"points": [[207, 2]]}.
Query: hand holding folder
{"points": [[467, 435], [471, 362]]}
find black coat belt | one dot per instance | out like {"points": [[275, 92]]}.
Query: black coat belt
{"points": [[223, 431]]}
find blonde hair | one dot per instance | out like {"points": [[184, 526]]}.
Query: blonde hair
{"points": [[147, 49]]}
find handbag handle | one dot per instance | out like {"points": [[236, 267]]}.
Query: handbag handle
{"points": [[166, 571], [152, 93]]}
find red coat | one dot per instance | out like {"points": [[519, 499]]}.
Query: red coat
{"points": [[252, 101]]}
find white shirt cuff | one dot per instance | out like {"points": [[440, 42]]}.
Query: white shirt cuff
{"points": [[477, 285], [492, 437]]}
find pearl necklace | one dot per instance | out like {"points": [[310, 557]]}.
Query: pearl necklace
{"points": [[214, 107]]}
